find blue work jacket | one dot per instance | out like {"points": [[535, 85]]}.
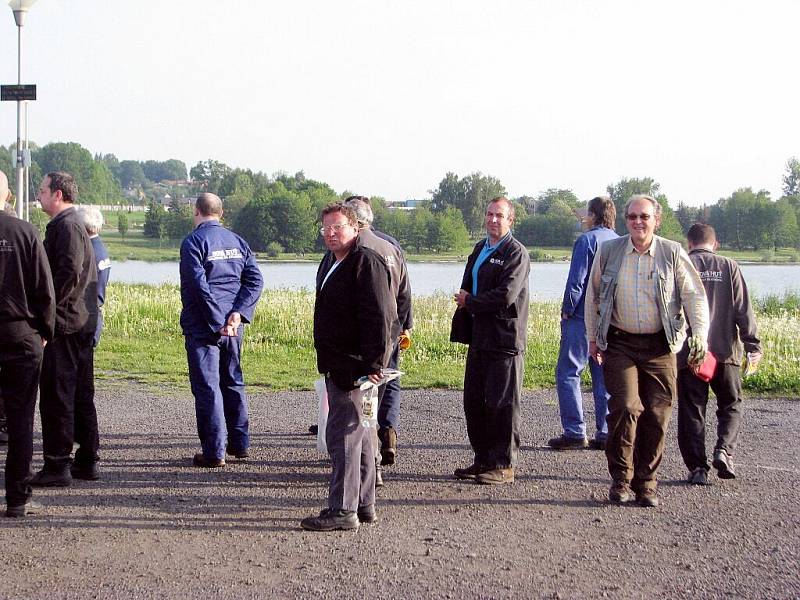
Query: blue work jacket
{"points": [[219, 276], [583, 253]]}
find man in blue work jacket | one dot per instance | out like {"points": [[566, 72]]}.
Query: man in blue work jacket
{"points": [[220, 287]]}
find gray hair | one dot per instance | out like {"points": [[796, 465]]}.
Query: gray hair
{"points": [[362, 209], [92, 219], [653, 201]]}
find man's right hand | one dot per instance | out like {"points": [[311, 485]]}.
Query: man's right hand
{"points": [[595, 353]]}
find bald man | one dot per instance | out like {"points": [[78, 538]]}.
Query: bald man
{"points": [[220, 287]]}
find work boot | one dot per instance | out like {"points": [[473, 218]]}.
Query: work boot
{"points": [[388, 437], [200, 460], [647, 498], [240, 454], [378, 477], [620, 493], [331, 520], [29, 508], [471, 472], [563, 442], [723, 463], [52, 475], [90, 472], [496, 476], [698, 476], [366, 514]]}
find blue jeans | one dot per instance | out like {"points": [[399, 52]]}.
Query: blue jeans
{"points": [[573, 355], [215, 374], [389, 405]]}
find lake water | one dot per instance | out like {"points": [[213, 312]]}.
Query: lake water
{"points": [[546, 281]]}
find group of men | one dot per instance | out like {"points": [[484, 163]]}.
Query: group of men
{"points": [[52, 293], [625, 312]]}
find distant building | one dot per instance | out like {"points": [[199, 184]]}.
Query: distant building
{"points": [[409, 204]]}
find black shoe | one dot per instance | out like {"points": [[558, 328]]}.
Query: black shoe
{"points": [[388, 437], [723, 463], [471, 472], [200, 460], [90, 472], [29, 508], [647, 498], [620, 493], [52, 477], [699, 476], [366, 514], [331, 520], [563, 442], [313, 429], [378, 478], [596, 444], [238, 453]]}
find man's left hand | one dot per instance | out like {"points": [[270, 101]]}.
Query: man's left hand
{"points": [[697, 352], [375, 377], [461, 298]]}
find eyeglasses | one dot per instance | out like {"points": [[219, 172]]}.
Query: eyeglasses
{"points": [[333, 228], [633, 216]]}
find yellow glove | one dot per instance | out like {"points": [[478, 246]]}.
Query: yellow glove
{"points": [[697, 351]]}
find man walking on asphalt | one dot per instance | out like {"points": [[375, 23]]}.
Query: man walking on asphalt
{"points": [[27, 323], [66, 400], [494, 301], [573, 354], [355, 327], [640, 287], [392, 254], [220, 287], [732, 324]]}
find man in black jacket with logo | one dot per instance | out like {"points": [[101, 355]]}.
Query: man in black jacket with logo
{"points": [[66, 400], [494, 296], [27, 320], [355, 325]]}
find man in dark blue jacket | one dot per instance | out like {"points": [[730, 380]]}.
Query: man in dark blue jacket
{"points": [[573, 354], [220, 287], [93, 221], [494, 298]]}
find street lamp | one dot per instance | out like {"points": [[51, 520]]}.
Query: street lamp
{"points": [[20, 9]]}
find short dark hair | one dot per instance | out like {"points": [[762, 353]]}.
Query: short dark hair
{"points": [[603, 211], [338, 207], [511, 210], [701, 234], [59, 180], [208, 204]]}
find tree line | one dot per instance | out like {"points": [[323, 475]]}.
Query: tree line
{"points": [[279, 213]]}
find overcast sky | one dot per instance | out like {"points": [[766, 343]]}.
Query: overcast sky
{"points": [[383, 98]]}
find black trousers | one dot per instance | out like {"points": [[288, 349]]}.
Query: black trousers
{"points": [[66, 401], [492, 389], [20, 364], [692, 402]]}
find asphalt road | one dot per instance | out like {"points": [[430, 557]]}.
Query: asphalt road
{"points": [[155, 527]]}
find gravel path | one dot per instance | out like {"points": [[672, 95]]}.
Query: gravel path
{"points": [[155, 527]]}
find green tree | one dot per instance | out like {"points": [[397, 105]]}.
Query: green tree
{"points": [[122, 223], [791, 180], [470, 195], [131, 174], [178, 221], [154, 221], [209, 174], [447, 231], [553, 197]]}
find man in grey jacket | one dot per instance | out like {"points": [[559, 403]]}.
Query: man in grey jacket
{"points": [[640, 288]]}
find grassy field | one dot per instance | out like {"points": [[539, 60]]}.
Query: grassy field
{"points": [[142, 342]]}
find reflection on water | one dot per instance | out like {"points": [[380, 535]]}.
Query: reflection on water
{"points": [[547, 279]]}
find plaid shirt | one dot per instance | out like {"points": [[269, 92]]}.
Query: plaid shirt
{"points": [[635, 307]]}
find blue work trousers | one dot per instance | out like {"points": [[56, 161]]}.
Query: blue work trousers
{"points": [[215, 374], [573, 355], [389, 396]]}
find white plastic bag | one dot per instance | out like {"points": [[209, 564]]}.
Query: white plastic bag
{"points": [[322, 415]]}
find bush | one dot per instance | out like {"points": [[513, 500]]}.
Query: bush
{"points": [[274, 249]]}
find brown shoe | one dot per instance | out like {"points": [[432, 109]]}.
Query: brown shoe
{"points": [[620, 493], [496, 476], [388, 438], [471, 472], [201, 461], [647, 498]]}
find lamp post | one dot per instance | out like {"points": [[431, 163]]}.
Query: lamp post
{"points": [[20, 9]]}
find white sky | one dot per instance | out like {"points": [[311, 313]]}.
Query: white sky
{"points": [[383, 98]]}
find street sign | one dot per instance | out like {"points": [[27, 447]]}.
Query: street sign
{"points": [[18, 92]]}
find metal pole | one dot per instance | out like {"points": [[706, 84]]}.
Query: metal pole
{"points": [[27, 170], [20, 168]]}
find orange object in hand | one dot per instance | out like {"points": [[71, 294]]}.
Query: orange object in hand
{"points": [[405, 342]]}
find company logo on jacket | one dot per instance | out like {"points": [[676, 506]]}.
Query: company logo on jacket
{"points": [[225, 254], [496, 261]]}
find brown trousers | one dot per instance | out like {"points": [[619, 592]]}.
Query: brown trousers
{"points": [[640, 375]]}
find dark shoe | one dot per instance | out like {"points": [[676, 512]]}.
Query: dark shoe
{"points": [[366, 514], [90, 472], [313, 429], [698, 477], [471, 472], [238, 453], [52, 477], [723, 463], [388, 438], [647, 498], [29, 508], [378, 478], [496, 476], [201, 461], [620, 493], [331, 520], [596, 444], [563, 442]]}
